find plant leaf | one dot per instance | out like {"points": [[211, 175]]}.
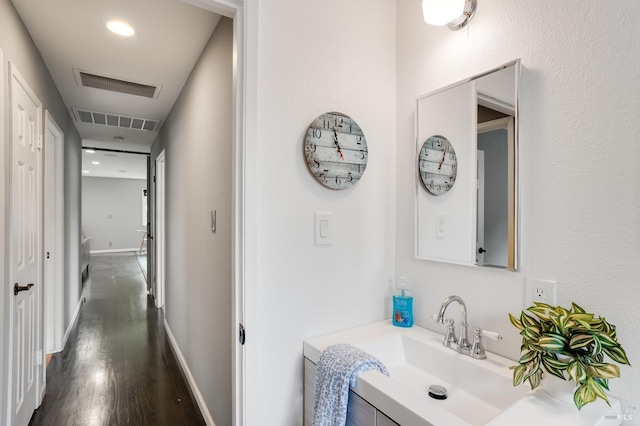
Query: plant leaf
{"points": [[551, 342], [534, 379], [578, 309], [519, 372], [531, 332], [580, 341], [604, 383], [516, 322], [577, 371], [604, 371], [541, 311], [583, 395], [554, 366], [598, 391], [617, 354], [527, 355], [527, 321], [606, 340], [597, 347]]}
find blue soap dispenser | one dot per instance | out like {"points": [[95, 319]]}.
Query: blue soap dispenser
{"points": [[402, 305]]}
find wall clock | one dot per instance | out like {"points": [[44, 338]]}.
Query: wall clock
{"points": [[335, 150], [437, 165]]}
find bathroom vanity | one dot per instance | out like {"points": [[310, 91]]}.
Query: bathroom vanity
{"points": [[480, 392]]}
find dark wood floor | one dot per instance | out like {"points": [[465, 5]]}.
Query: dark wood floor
{"points": [[118, 367]]}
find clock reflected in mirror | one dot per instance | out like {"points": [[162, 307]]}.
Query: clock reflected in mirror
{"points": [[437, 165], [335, 150]]}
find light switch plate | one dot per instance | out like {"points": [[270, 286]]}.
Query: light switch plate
{"points": [[539, 291], [323, 229]]}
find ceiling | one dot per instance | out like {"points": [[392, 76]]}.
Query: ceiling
{"points": [[72, 38]]}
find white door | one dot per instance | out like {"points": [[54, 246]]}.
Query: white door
{"points": [[159, 237], [53, 236], [26, 353]]}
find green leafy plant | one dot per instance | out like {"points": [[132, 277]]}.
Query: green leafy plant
{"points": [[570, 344]]}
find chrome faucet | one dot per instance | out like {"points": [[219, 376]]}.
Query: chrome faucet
{"points": [[461, 343]]}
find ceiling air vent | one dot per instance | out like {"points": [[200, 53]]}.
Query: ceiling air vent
{"points": [[113, 120], [96, 81]]}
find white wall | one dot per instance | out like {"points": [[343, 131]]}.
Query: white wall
{"points": [[197, 141], [19, 49], [112, 212], [580, 153], [315, 57]]}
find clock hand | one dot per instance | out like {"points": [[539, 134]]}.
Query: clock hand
{"points": [[443, 156], [335, 140]]}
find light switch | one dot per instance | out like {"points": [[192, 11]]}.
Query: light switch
{"points": [[441, 226], [322, 229]]}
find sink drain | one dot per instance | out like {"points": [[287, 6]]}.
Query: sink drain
{"points": [[437, 392]]}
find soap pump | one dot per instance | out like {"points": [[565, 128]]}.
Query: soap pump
{"points": [[402, 305]]}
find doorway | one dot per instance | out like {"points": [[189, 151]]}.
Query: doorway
{"points": [[160, 231], [53, 236]]}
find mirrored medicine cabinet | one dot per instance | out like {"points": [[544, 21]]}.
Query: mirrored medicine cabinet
{"points": [[473, 220]]}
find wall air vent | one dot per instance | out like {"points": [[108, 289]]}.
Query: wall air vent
{"points": [[114, 120], [86, 79]]}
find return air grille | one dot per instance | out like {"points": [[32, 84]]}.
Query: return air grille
{"points": [[115, 85], [104, 119]]}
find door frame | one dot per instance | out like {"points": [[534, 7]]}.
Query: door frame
{"points": [[53, 236], [4, 272], [244, 212], [159, 234], [480, 208]]}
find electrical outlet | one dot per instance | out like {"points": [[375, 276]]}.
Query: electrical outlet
{"points": [[539, 291], [539, 295]]}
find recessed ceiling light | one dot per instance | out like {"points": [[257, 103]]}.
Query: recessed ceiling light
{"points": [[85, 171], [121, 28], [95, 162], [90, 151]]}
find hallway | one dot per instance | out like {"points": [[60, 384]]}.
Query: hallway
{"points": [[118, 367]]}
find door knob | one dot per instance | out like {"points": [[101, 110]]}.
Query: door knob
{"points": [[481, 250], [18, 288]]}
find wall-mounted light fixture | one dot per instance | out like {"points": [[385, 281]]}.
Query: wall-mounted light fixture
{"points": [[456, 14]]}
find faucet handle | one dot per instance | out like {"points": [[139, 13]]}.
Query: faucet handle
{"points": [[491, 334], [450, 338], [477, 350]]}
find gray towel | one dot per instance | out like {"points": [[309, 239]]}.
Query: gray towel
{"points": [[338, 369]]}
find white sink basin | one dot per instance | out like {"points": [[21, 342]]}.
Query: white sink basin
{"points": [[480, 392]]}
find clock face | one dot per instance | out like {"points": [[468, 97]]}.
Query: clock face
{"points": [[437, 165], [335, 150]]}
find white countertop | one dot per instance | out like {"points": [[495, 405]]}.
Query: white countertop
{"points": [[410, 408]]}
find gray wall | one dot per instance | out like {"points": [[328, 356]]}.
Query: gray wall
{"points": [[19, 49], [112, 212], [496, 192], [197, 142]]}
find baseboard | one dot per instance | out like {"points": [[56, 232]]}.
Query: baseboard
{"points": [[190, 380], [73, 321], [136, 249]]}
